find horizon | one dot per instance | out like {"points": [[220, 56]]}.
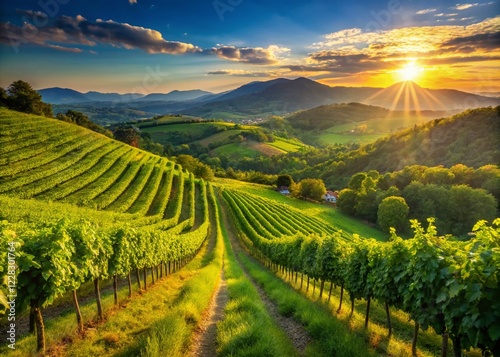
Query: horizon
{"points": [[247, 83], [149, 47]]}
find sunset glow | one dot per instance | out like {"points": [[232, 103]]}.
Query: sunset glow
{"points": [[437, 44], [410, 72]]}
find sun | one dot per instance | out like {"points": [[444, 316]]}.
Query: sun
{"points": [[410, 71]]}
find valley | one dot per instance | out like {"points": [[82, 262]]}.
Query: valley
{"points": [[249, 179]]}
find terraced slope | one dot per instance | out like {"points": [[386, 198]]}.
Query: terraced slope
{"points": [[275, 220], [82, 207]]}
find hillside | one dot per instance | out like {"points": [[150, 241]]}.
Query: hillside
{"points": [[82, 210], [53, 160], [471, 138], [259, 99], [217, 139], [326, 116], [355, 122], [287, 96]]}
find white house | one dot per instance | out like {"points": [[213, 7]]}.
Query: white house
{"points": [[331, 196], [284, 190]]}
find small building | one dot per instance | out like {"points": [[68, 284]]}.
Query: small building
{"points": [[331, 196], [284, 190]]}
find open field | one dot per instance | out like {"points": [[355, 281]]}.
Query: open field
{"points": [[365, 132]]}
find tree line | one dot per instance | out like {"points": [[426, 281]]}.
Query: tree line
{"points": [[457, 197]]}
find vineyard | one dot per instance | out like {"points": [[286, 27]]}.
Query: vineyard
{"points": [[449, 286], [79, 210], [154, 215]]}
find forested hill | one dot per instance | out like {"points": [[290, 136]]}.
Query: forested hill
{"points": [[471, 138], [325, 116]]}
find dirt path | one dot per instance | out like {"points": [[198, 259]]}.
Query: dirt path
{"points": [[204, 342], [295, 331]]}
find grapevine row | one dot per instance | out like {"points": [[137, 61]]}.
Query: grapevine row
{"points": [[57, 256], [450, 286]]}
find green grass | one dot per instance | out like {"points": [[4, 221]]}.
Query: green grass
{"points": [[195, 128], [330, 336], [247, 329], [236, 151], [399, 344], [219, 137], [375, 129], [169, 119], [156, 322], [171, 335], [285, 145], [331, 138]]}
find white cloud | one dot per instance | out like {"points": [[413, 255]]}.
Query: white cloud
{"points": [[242, 73], [464, 6], [132, 1], [425, 11]]}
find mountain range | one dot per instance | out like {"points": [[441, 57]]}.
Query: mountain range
{"points": [[58, 95], [279, 96]]}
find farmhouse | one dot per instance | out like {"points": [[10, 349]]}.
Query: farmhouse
{"points": [[284, 190], [331, 196]]}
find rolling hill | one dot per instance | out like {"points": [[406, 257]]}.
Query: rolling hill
{"points": [[58, 95], [259, 99], [471, 138], [217, 138], [80, 209], [175, 96], [355, 122], [287, 96]]}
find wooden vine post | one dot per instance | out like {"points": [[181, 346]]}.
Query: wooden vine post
{"points": [[79, 319], [98, 298]]}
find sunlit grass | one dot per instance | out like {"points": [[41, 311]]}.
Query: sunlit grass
{"points": [[376, 335], [285, 146], [329, 336], [247, 329]]}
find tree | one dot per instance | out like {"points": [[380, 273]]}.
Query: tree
{"points": [[313, 189], [366, 200], [284, 180], [356, 181], [23, 98], [393, 212], [468, 206], [346, 201], [78, 118], [204, 171], [295, 189], [3, 97], [128, 136], [187, 162]]}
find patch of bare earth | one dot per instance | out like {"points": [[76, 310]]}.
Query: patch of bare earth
{"points": [[294, 330], [264, 148]]}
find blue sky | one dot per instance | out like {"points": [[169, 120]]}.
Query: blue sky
{"points": [[151, 46]]}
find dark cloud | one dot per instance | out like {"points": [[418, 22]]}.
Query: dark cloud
{"points": [[66, 30], [257, 55], [481, 41], [80, 31], [335, 62], [30, 14]]}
